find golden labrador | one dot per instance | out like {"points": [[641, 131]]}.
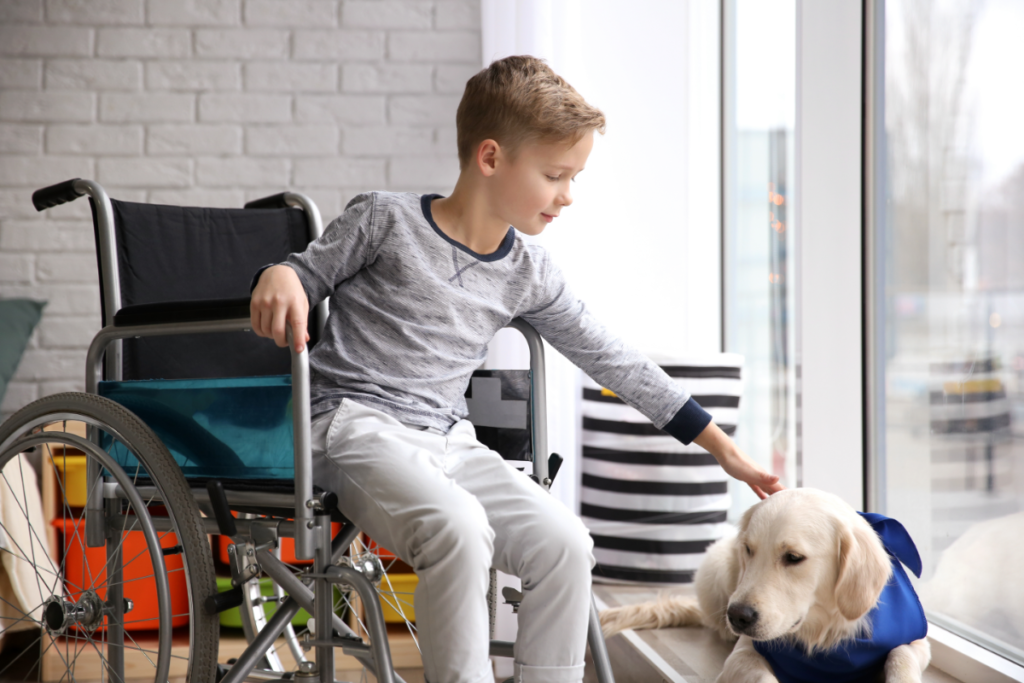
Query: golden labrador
{"points": [[799, 585]]}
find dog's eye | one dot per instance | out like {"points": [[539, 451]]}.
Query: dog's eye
{"points": [[792, 558], [750, 553]]}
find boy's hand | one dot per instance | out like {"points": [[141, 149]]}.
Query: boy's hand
{"points": [[736, 463], [279, 300]]}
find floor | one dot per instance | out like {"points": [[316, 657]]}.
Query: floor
{"points": [[673, 655]]}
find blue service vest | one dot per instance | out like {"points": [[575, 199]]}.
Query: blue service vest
{"points": [[896, 620]]}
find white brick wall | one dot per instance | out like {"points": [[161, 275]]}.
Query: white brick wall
{"points": [[207, 103]]}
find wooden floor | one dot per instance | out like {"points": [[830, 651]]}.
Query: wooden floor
{"points": [[676, 655], [88, 663]]}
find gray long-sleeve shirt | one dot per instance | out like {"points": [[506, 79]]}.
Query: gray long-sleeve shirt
{"points": [[412, 312]]}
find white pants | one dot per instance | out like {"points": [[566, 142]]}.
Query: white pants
{"points": [[452, 508]]}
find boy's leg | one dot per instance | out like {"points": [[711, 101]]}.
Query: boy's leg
{"points": [[390, 481], [539, 540]]}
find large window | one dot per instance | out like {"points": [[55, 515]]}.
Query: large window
{"points": [[758, 127], [948, 324]]}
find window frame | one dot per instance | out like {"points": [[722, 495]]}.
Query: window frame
{"points": [[841, 411], [951, 652]]}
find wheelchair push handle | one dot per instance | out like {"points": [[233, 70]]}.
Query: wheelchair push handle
{"points": [[54, 195]]}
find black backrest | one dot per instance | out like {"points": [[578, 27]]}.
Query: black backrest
{"points": [[173, 253]]}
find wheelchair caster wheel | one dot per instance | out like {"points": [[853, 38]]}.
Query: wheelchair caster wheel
{"points": [[307, 670]]}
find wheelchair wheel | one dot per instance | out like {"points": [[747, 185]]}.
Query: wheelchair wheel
{"points": [[120, 595]]}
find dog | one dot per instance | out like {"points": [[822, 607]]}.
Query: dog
{"points": [[810, 590]]}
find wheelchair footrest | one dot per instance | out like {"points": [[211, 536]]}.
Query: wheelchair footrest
{"points": [[221, 602]]}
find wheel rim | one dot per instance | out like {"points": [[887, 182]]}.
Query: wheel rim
{"points": [[74, 616]]}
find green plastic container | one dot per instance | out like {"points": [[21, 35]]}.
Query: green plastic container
{"points": [[232, 618]]}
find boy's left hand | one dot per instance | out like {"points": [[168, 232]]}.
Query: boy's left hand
{"points": [[736, 463]]}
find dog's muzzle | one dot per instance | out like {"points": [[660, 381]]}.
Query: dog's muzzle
{"points": [[742, 618]]}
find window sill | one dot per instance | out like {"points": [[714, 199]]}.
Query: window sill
{"points": [[695, 654], [969, 662]]}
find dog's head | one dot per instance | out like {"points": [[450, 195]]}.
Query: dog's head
{"points": [[808, 564]]}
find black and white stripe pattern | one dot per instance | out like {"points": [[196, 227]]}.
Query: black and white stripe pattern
{"points": [[653, 505]]}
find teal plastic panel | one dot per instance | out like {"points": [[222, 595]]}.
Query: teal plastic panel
{"points": [[234, 428]]}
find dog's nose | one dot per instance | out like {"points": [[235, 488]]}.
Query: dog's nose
{"points": [[742, 617]]}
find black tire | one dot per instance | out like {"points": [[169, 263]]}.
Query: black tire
{"points": [[174, 494]]}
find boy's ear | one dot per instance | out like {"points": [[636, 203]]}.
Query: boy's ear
{"points": [[487, 156]]}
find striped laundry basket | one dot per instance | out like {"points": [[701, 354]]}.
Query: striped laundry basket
{"points": [[653, 505]]}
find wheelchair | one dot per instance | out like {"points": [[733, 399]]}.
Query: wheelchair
{"points": [[191, 426]]}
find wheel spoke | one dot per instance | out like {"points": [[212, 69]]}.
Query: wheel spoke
{"points": [[139, 649], [20, 655], [146, 552], [28, 614], [67, 511], [21, 558], [103, 660], [27, 522], [78, 652], [24, 497], [69, 514], [56, 648]]}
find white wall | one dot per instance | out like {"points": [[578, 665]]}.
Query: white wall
{"points": [[211, 103]]}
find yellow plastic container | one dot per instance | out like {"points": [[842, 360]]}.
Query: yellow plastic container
{"points": [[72, 469], [402, 586]]}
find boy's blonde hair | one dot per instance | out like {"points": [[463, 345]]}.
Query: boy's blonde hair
{"points": [[520, 99]]}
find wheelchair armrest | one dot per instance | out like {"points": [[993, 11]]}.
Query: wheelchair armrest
{"points": [[182, 312]]}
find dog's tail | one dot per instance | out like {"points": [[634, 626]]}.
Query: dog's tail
{"points": [[666, 611]]}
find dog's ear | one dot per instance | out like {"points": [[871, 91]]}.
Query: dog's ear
{"points": [[864, 569], [738, 549]]}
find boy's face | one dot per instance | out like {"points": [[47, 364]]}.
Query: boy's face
{"points": [[533, 187]]}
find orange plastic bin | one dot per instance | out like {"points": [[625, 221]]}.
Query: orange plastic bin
{"points": [[84, 571]]}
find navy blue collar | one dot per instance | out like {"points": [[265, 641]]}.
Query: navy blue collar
{"points": [[896, 540], [503, 249]]}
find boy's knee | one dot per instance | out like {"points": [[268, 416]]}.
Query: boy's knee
{"points": [[463, 532], [579, 545], [567, 551]]}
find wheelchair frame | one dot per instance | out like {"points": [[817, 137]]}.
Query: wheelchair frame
{"points": [[311, 527]]}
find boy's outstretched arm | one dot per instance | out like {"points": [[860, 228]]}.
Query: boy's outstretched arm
{"points": [[736, 463], [279, 300]]}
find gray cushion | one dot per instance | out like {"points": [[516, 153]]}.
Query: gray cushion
{"points": [[18, 317]]}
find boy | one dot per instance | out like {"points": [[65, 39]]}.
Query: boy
{"points": [[418, 286]]}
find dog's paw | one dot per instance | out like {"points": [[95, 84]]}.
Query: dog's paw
{"points": [[745, 665], [746, 677], [906, 663]]}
